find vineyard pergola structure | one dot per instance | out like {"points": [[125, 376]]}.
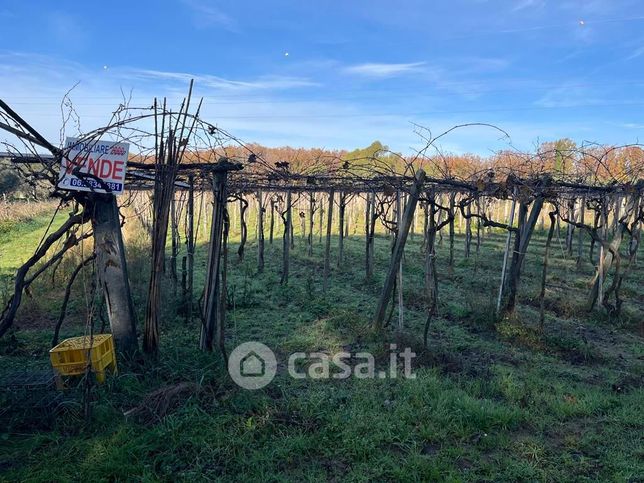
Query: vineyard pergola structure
{"points": [[179, 153]]}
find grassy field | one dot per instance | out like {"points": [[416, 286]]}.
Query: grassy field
{"points": [[491, 401]]}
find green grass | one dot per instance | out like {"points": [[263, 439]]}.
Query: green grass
{"points": [[18, 240], [491, 401]]}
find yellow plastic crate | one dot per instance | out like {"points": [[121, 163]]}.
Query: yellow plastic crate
{"points": [[69, 358]]}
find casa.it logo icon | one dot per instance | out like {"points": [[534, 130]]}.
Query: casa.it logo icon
{"points": [[252, 365]]}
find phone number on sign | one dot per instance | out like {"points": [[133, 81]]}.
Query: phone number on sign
{"points": [[91, 183]]}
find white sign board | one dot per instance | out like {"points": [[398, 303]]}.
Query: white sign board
{"points": [[96, 166]]}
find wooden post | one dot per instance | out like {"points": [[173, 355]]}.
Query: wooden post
{"points": [[431, 279], [399, 247], [271, 222], [452, 201], [425, 207], [413, 225], [507, 252], [235, 218], [356, 216], [368, 236], [260, 232], [243, 227], [211, 288], [256, 234], [286, 240], [111, 266], [478, 228], [526, 228], [302, 216], [401, 314], [440, 221], [321, 217], [542, 293], [341, 228], [597, 219], [220, 333], [173, 240], [163, 195], [570, 228], [327, 249], [607, 251], [292, 230], [184, 280], [468, 231], [190, 245], [616, 213], [311, 223], [580, 232], [348, 220], [600, 269], [203, 210]]}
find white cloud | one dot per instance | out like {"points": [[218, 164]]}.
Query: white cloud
{"points": [[262, 114], [526, 4], [205, 15], [481, 64], [260, 109], [636, 53], [35, 85], [268, 82], [383, 70], [592, 7], [570, 95]]}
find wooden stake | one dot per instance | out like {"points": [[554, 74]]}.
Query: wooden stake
{"points": [[369, 235], [506, 255], [311, 223], [341, 229], [452, 200], [580, 232], [271, 223], [190, 242], [260, 232], [111, 266], [211, 288], [173, 239], [468, 231], [286, 240], [399, 247], [401, 316], [544, 273], [327, 249]]}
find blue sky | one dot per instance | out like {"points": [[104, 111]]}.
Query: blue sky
{"points": [[339, 74]]}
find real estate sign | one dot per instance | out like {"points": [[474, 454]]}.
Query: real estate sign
{"points": [[96, 166]]}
